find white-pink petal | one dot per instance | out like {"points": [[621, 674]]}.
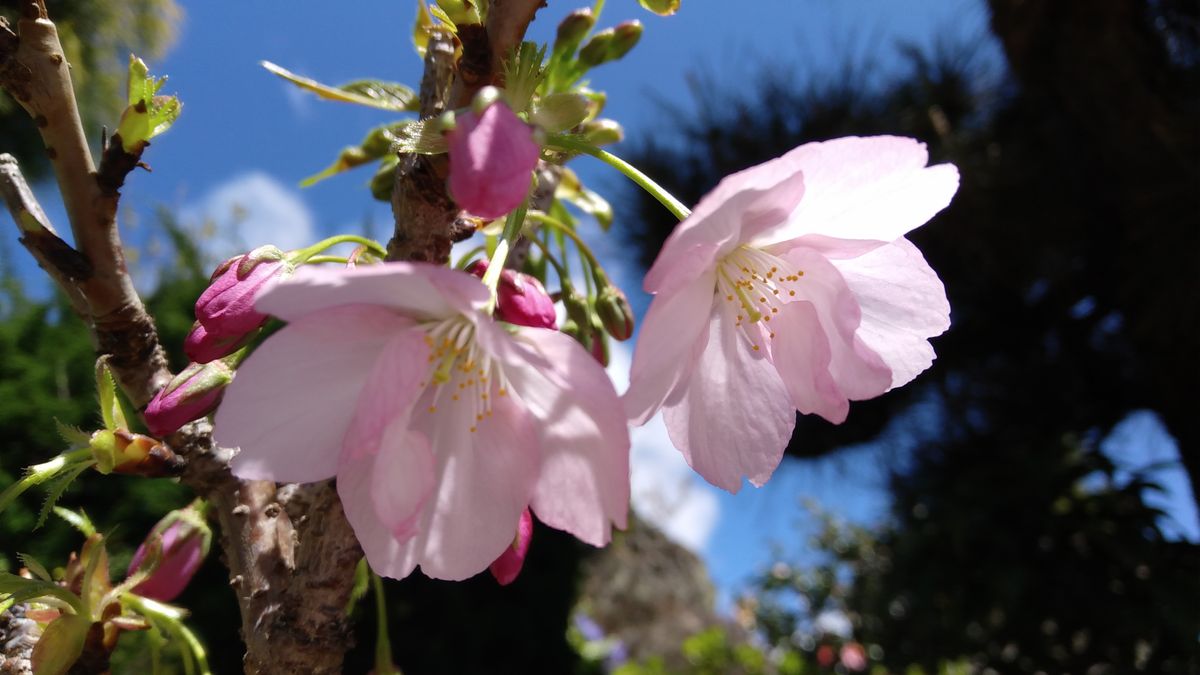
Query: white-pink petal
{"points": [[736, 417], [419, 291], [858, 372], [802, 355], [584, 483], [903, 304], [741, 206], [401, 479], [666, 339], [484, 480], [286, 432], [877, 188]]}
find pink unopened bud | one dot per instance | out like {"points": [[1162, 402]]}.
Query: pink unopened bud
{"points": [[193, 393], [520, 299], [202, 346], [492, 156], [508, 565], [182, 539], [226, 308]]}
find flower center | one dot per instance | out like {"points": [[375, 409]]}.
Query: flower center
{"points": [[463, 378], [755, 285]]}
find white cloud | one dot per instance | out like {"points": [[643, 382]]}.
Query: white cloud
{"points": [[250, 210], [666, 492]]}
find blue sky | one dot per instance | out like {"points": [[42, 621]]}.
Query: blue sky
{"points": [[246, 139]]}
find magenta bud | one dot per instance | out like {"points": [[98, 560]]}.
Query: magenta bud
{"points": [[520, 299], [226, 308], [202, 347], [194, 393], [182, 540], [492, 158], [508, 565]]}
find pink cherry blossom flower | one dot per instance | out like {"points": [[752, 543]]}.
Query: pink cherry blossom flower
{"points": [[520, 298], [492, 158], [509, 564], [790, 287], [441, 425]]}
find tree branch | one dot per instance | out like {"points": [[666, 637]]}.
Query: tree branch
{"points": [[292, 579], [34, 69]]}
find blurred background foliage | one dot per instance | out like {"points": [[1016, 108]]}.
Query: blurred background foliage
{"points": [[1013, 544]]}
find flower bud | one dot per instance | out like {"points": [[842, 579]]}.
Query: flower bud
{"points": [[121, 451], [181, 540], [194, 393], [614, 311], [627, 35], [571, 31], [202, 346], [661, 7], [611, 44], [577, 306], [595, 51], [508, 565], [603, 132], [226, 308], [492, 158], [520, 299]]}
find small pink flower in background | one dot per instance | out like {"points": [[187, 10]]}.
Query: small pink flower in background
{"points": [[508, 565], [192, 394], [853, 657], [441, 426], [492, 158], [202, 347], [521, 299], [226, 308], [184, 539], [790, 287]]}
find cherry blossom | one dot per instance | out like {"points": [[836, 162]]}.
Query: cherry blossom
{"points": [[790, 287], [440, 424]]}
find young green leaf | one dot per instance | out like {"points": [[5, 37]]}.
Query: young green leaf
{"points": [[391, 96]]}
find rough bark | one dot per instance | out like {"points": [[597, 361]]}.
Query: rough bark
{"points": [[427, 221]]}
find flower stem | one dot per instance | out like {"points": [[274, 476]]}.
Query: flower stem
{"points": [[512, 232], [584, 249], [170, 620], [326, 259], [304, 254], [383, 645], [631, 172]]}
